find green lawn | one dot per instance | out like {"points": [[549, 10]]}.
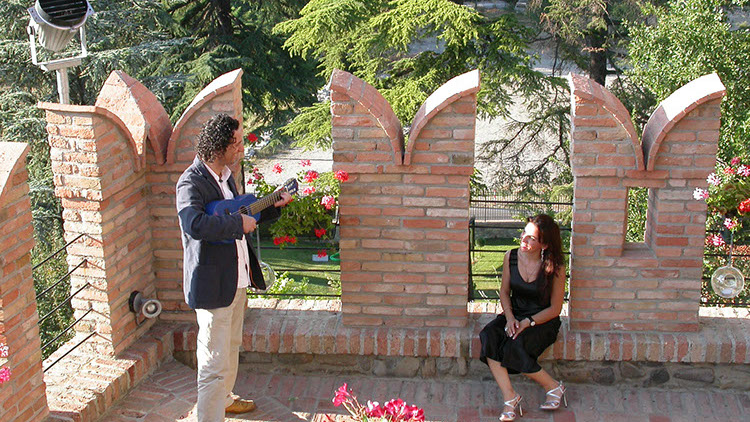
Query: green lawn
{"points": [[296, 261]]}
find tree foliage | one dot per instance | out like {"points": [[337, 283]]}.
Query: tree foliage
{"points": [[408, 48]]}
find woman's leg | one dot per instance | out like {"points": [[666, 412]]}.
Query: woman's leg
{"points": [[544, 379], [503, 381]]}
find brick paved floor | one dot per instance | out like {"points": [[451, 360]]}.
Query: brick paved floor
{"points": [[169, 395]]}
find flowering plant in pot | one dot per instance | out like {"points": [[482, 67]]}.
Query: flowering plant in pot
{"points": [[395, 410]]}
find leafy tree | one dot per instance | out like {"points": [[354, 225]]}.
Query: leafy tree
{"points": [[225, 35], [408, 48], [688, 39]]}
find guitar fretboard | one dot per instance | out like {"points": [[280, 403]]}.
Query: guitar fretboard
{"points": [[262, 203]]}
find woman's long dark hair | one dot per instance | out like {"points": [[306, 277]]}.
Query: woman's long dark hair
{"points": [[552, 257]]}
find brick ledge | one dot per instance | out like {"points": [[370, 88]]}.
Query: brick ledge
{"points": [[84, 384], [314, 327]]}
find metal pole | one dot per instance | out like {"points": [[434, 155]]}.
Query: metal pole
{"points": [[63, 88]]}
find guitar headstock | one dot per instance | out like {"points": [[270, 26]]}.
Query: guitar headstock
{"points": [[291, 186]]}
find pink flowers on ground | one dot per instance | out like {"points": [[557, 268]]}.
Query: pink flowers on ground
{"points": [[328, 201], [304, 163], [396, 410], [699, 194], [320, 233], [310, 176], [341, 175], [277, 168]]}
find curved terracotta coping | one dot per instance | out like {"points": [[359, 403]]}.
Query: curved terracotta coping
{"points": [[450, 92], [138, 159], [218, 86], [587, 89], [371, 99], [674, 108], [11, 158]]}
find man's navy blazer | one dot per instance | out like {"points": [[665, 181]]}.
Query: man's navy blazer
{"points": [[210, 269]]}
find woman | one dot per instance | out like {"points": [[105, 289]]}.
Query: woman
{"points": [[531, 295]]}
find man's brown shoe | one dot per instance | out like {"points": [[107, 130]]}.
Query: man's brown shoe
{"points": [[241, 406]]}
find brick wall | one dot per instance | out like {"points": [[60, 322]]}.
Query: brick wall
{"points": [[404, 213], [653, 285], [22, 398], [100, 178]]}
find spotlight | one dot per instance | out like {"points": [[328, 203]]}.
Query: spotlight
{"points": [[54, 23], [151, 308]]}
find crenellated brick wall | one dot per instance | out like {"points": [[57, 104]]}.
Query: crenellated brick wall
{"points": [[404, 214], [22, 398], [653, 285]]}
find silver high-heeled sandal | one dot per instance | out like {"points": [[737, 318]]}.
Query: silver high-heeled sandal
{"points": [[554, 396], [510, 415]]}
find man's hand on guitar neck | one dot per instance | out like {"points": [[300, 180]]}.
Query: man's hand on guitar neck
{"points": [[285, 199], [248, 223]]}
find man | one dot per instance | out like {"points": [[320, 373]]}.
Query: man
{"points": [[216, 275]]}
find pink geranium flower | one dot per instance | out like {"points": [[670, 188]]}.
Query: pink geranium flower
{"points": [[4, 374], [309, 190], [341, 395], [304, 163], [730, 223], [729, 170], [743, 170], [328, 201], [735, 161], [713, 179], [374, 409], [341, 175], [700, 194], [715, 240], [310, 176], [3, 350]]}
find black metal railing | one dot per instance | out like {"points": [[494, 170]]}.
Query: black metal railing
{"points": [[58, 306]]}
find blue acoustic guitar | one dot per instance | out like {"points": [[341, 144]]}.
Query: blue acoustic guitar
{"points": [[249, 204]]}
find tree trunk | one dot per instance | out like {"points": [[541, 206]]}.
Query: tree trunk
{"points": [[224, 14], [597, 56]]}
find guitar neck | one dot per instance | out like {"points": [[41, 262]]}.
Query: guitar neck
{"points": [[262, 203]]}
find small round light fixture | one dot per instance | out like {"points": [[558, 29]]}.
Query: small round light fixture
{"points": [[727, 282]]}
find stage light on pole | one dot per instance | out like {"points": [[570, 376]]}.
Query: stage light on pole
{"points": [[54, 23]]}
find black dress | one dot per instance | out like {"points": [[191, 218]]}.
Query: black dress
{"points": [[526, 299]]}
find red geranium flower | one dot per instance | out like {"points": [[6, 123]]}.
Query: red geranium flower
{"points": [[251, 138], [342, 175], [744, 206], [322, 253], [310, 176], [320, 232], [277, 168], [304, 163]]}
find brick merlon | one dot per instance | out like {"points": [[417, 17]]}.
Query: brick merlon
{"points": [[450, 92], [139, 109], [218, 86], [674, 108], [138, 159], [585, 90], [373, 101], [11, 159]]}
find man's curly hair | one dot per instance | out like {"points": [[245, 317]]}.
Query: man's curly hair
{"points": [[216, 136]]}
